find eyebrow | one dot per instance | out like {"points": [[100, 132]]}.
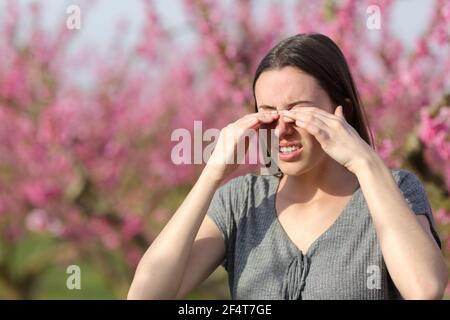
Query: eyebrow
{"points": [[289, 105]]}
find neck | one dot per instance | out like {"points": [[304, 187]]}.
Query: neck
{"points": [[326, 179]]}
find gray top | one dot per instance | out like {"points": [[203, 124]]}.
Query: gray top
{"points": [[345, 262]]}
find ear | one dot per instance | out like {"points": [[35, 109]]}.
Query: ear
{"points": [[339, 112]]}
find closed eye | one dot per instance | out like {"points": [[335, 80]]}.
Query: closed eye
{"points": [[289, 106], [266, 108], [298, 104]]}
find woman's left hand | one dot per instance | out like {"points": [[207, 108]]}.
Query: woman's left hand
{"points": [[336, 137]]}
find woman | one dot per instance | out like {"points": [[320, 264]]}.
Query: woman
{"points": [[336, 224]]}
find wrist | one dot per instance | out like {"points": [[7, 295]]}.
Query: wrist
{"points": [[368, 162], [212, 174]]}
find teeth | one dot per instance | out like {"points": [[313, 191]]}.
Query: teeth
{"points": [[288, 149]]}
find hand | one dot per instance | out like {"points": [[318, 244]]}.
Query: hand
{"points": [[336, 137], [223, 159]]}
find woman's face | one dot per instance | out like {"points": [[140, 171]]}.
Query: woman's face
{"points": [[289, 88]]}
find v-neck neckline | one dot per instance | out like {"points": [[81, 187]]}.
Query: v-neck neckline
{"points": [[334, 225]]}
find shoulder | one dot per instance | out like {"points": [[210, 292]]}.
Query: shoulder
{"points": [[233, 200], [416, 197], [406, 180], [413, 190]]}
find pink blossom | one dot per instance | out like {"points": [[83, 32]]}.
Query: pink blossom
{"points": [[37, 193], [37, 220], [132, 226], [105, 232], [133, 257], [442, 216]]}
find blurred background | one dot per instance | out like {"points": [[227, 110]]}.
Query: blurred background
{"points": [[86, 117]]}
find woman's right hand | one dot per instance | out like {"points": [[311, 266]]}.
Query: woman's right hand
{"points": [[223, 159]]}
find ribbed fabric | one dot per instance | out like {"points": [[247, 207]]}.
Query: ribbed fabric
{"points": [[345, 262]]}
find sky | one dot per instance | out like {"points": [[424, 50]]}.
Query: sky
{"points": [[409, 18]]}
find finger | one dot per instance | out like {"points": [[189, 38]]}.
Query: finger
{"points": [[287, 119], [315, 110], [308, 118], [267, 112], [319, 133], [324, 117], [265, 119], [254, 121], [332, 120], [318, 109], [266, 116], [250, 122], [339, 112], [329, 119]]}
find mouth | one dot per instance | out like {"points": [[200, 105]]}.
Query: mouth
{"points": [[286, 150], [290, 151]]}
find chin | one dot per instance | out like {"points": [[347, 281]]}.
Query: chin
{"points": [[294, 168], [301, 166]]}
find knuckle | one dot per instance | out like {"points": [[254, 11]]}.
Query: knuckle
{"points": [[337, 124]]}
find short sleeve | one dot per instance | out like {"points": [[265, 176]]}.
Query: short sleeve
{"points": [[222, 210], [416, 197]]}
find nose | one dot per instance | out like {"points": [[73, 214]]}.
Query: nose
{"points": [[284, 128]]}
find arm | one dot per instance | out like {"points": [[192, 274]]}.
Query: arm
{"points": [[189, 241], [191, 246], [412, 257], [411, 254]]}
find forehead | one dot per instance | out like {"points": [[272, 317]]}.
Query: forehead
{"points": [[281, 86]]}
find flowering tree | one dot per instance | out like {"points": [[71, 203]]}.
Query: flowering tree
{"points": [[90, 170]]}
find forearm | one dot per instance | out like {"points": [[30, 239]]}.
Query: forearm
{"points": [[414, 261], [160, 271]]}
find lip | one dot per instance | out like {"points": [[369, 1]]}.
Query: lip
{"points": [[290, 156]]}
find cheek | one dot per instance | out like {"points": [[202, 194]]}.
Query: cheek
{"points": [[310, 142], [307, 138]]}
